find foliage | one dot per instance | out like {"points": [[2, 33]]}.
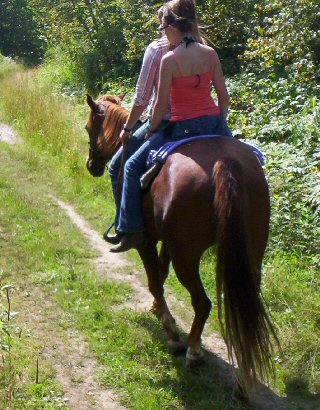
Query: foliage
{"points": [[7, 66], [275, 110], [228, 25], [287, 38], [19, 33], [294, 179], [102, 42]]}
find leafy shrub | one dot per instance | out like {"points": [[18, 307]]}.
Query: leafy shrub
{"points": [[271, 110], [294, 179], [286, 40]]}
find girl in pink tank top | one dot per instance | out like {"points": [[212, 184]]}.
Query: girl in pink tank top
{"points": [[187, 76]]}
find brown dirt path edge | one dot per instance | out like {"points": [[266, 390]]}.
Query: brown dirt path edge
{"points": [[61, 348]]}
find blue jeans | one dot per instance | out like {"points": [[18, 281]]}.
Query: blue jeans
{"points": [[206, 125], [135, 142], [131, 217]]}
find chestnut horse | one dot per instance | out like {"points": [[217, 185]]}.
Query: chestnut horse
{"points": [[208, 192]]}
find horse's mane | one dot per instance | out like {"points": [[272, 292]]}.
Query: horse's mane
{"points": [[115, 117], [108, 97]]}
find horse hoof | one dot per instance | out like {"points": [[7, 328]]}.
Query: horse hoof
{"points": [[154, 309], [194, 359], [176, 347]]}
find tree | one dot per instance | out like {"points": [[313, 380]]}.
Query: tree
{"points": [[19, 34]]}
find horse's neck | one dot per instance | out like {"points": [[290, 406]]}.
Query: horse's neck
{"points": [[116, 116]]}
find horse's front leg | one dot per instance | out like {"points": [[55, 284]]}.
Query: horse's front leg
{"points": [[152, 264]]}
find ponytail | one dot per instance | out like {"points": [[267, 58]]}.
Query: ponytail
{"points": [[182, 14]]}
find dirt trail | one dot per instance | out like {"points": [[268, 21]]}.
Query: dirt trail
{"points": [[8, 135], [110, 264], [64, 349], [61, 346]]}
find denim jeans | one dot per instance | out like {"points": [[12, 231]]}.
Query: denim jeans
{"points": [[206, 125], [131, 217], [135, 142]]}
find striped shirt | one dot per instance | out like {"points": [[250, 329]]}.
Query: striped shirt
{"points": [[147, 84]]}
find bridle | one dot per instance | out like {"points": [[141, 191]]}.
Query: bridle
{"points": [[94, 149]]}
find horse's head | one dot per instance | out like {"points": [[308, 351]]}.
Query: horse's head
{"points": [[104, 124]]}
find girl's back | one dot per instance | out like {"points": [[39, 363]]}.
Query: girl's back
{"points": [[193, 60]]}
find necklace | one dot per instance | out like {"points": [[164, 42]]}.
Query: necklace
{"points": [[187, 40]]}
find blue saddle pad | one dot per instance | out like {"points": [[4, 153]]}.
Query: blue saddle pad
{"points": [[161, 154]]}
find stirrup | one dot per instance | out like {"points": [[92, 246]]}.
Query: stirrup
{"points": [[149, 176], [106, 234]]}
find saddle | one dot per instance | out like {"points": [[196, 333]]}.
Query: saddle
{"points": [[157, 158]]}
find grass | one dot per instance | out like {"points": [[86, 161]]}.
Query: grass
{"points": [[130, 345], [20, 387]]}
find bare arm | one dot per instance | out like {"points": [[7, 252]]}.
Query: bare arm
{"points": [[220, 87], [163, 93], [146, 83], [134, 116]]}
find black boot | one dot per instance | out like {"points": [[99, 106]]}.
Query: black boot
{"points": [[131, 240], [114, 239]]}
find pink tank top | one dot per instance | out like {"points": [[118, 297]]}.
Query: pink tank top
{"points": [[191, 95]]}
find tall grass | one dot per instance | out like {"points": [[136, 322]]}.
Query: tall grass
{"points": [[53, 125], [7, 66]]}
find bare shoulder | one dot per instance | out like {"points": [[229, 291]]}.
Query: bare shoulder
{"points": [[168, 60], [210, 51]]}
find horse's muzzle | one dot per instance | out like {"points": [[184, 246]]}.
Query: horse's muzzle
{"points": [[96, 170]]}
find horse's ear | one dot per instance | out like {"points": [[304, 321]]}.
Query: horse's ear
{"points": [[93, 105], [123, 95]]}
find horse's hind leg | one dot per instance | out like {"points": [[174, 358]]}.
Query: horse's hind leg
{"points": [[186, 266], [163, 271], [151, 262]]}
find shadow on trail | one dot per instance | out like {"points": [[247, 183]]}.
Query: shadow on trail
{"points": [[211, 385]]}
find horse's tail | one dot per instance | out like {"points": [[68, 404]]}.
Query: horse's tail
{"points": [[245, 323]]}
